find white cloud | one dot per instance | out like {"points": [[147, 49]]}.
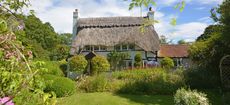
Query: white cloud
{"points": [[210, 1], [207, 20], [187, 31], [59, 14]]}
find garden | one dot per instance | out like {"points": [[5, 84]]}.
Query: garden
{"points": [[34, 69]]}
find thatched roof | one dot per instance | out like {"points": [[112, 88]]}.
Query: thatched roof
{"points": [[111, 31]]}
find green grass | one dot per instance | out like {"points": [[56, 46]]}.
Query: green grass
{"points": [[115, 99], [106, 98]]}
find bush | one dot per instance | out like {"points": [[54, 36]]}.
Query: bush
{"points": [[116, 59], [78, 63], [99, 83], [99, 64], [143, 81], [53, 68], [26, 97], [189, 97], [138, 60], [155, 81], [167, 63], [199, 77], [61, 86], [60, 52]]}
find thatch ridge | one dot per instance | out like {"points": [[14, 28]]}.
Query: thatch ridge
{"points": [[111, 31], [110, 22]]}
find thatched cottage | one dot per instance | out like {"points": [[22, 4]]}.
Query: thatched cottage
{"points": [[105, 34]]}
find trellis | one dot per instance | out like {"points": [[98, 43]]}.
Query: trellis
{"points": [[225, 72], [225, 77]]}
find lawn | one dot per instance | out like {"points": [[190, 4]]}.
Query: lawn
{"points": [[124, 99], [115, 99]]}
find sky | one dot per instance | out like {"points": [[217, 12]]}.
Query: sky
{"points": [[190, 23]]}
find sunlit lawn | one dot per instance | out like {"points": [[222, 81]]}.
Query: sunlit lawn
{"points": [[122, 99], [114, 99]]}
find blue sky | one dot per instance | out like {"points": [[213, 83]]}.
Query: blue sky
{"points": [[190, 23]]}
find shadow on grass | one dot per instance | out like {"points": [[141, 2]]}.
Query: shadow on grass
{"points": [[149, 99]]}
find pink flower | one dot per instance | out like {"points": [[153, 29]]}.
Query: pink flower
{"points": [[6, 99]]}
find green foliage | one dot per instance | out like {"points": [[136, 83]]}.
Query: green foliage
{"points": [[42, 39], [190, 97], [173, 21], [180, 5], [15, 5], [60, 52], [138, 60], [3, 26], [167, 63], [214, 43], [26, 97], [99, 64], [116, 59], [18, 76], [98, 83], [155, 81], [182, 42], [78, 63], [143, 81], [53, 68], [41, 33], [140, 3], [209, 31], [61, 86], [200, 78]]}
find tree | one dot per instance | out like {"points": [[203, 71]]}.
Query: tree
{"points": [[209, 31], [116, 59], [167, 63], [99, 64], [214, 43], [42, 39], [19, 78], [138, 60], [78, 63], [182, 42]]}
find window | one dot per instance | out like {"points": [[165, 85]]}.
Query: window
{"points": [[131, 47], [103, 48], [118, 47], [96, 48], [124, 47], [87, 48]]}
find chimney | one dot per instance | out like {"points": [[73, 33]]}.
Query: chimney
{"points": [[150, 14], [74, 33], [75, 18]]}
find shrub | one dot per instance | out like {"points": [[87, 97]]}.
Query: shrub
{"points": [[99, 64], [98, 83], [142, 81], [189, 97], [27, 97], [167, 63], [63, 66], [138, 60], [53, 68], [60, 52], [78, 63], [116, 59], [199, 77], [155, 81], [61, 86]]}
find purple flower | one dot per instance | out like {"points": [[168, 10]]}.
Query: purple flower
{"points": [[6, 99]]}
